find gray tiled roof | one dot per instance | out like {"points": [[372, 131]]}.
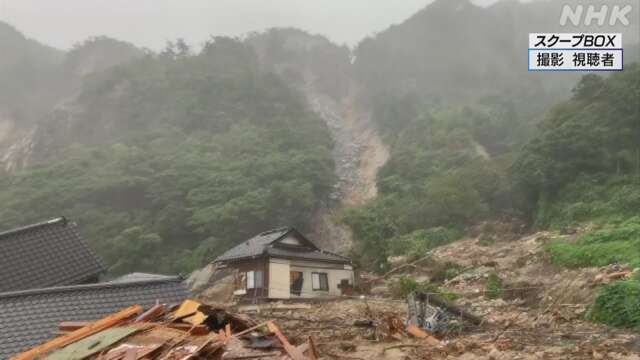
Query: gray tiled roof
{"points": [[138, 276], [265, 244], [319, 255], [31, 317], [254, 246], [48, 254]]}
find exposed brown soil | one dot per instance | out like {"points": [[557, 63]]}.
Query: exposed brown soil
{"points": [[358, 155], [540, 314]]}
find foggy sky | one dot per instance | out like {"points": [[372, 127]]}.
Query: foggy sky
{"points": [[151, 23]]}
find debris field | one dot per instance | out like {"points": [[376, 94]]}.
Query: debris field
{"points": [[188, 331]]}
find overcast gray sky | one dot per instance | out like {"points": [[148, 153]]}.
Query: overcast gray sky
{"points": [[150, 23]]}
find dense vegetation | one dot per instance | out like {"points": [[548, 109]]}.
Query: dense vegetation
{"points": [[617, 304], [456, 126], [452, 168], [168, 160], [584, 166], [585, 162], [165, 160], [618, 244], [463, 152], [448, 169]]}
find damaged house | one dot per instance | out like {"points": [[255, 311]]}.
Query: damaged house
{"points": [[49, 274], [284, 264]]}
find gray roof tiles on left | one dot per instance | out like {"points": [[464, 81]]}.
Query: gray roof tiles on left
{"points": [[30, 317], [47, 254]]}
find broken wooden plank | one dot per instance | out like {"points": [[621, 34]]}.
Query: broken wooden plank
{"points": [[421, 334], [619, 275], [67, 326], [256, 308], [189, 312], [313, 349], [104, 323], [253, 356], [92, 344], [153, 313], [290, 349], [253, 328], [191, 329]]}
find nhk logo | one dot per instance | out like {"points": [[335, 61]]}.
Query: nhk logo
{"points": [[587, 15]]}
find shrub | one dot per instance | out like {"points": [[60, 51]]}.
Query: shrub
{"points": [[406, 285], [618, 304], [587, 255], [445, 271], [486, 240], [603, 247], [418, 243], [494, 286]]}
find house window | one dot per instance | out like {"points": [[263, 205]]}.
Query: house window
{"points": [[320, 281], [255, 279], [296, 279], [241, 281]]}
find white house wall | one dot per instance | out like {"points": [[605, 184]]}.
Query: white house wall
{"points": [[279, 277]]}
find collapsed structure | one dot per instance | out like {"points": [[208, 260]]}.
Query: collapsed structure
{"points": [[49, 274], [30, 317], [188, 331]]}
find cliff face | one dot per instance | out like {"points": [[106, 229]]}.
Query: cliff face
{"points": [[322, 72], [40, 84]]}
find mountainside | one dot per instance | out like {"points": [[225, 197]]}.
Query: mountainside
{"points": [[38, 80], [477, 144], [453, 52], [27, 74], [168, 159], [422, 132], [449, 93], [322, 72]]}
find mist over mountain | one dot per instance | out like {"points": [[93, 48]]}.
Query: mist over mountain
{"points": [[454, 51], [416, 134], [28, 74]]}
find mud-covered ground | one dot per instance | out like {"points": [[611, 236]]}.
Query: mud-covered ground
{"points": [[540, 314]]}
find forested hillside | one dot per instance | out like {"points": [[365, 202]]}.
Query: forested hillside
{"points": [[453, 51], [474, 137], [584, 162], [167, 160]]}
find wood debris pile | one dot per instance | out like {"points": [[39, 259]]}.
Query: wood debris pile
{"points": [[188, 331]]}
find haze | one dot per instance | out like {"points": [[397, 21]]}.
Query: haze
{"points": [[151, 23]]}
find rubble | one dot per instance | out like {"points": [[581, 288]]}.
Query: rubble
{"points": [[189, 331], [540, 314]]}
